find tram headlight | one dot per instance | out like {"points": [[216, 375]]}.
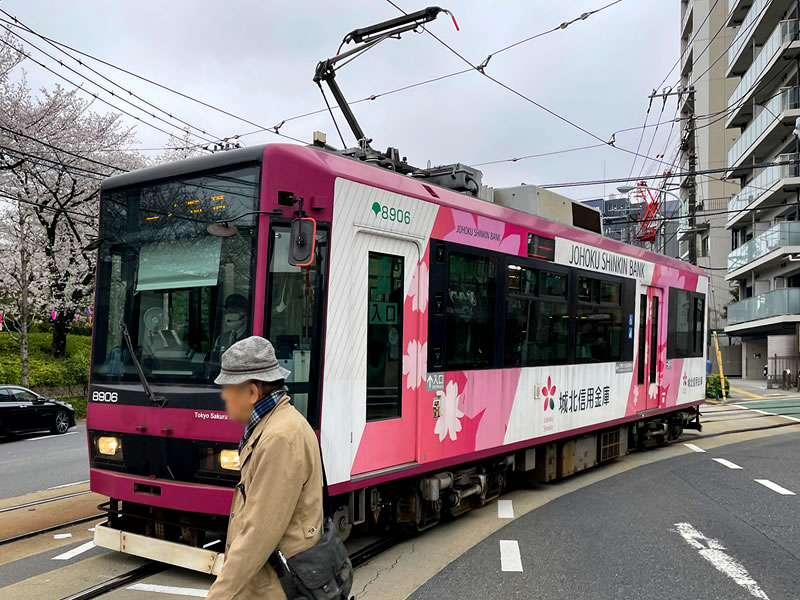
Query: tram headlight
{"points": [[229, 459], [109, 445]]}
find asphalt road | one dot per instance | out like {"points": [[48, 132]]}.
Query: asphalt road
{"points": [[38, 461], [684, 528]]}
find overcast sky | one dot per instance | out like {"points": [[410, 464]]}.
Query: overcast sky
{"points": [[256, 59]]}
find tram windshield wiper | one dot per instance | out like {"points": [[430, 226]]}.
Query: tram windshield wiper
{"points": [[155, 398]]}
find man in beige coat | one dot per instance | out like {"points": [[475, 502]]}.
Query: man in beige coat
{"points": [[278, 503]]}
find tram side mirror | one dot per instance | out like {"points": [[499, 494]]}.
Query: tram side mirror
{"points": [[302, 240]]}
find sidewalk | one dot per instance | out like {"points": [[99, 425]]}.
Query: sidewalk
{"points": [[755, 389]]}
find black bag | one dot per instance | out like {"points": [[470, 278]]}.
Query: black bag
{"points": [[323, 572]]}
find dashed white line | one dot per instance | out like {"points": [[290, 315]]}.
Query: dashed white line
{"points": [[505, 509], [714, 552], [169, 589], [47, 437], [726, 463], [58, 487], [764, 412], [510, 559], [210, 543], [75, 551], [694, 448], [775, 487], [62, 536]]}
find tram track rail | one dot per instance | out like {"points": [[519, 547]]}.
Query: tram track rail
{"points": [[32, 534], [43, 501], [146, 570]]}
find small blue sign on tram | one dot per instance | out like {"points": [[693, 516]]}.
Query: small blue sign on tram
{"points": [[630, 319], [630, 333]]}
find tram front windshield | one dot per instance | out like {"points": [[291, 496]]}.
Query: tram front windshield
{"points": [[184, 294]]}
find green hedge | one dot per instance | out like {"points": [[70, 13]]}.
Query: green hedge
{"points": [[713, 389], [45, 370]]}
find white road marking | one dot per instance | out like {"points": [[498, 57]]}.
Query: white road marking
{"points": [[694, 448], [91, 529], [505, 509], [510, 559], [62, 536], [714, 552], [169, 589], [210, 543], [775, 487], [764, 412], [58, 487], [47, 437], [75, 551], [726, 463]]}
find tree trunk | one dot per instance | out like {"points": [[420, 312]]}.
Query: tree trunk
{"points": [[24, 308], [61, 327]]}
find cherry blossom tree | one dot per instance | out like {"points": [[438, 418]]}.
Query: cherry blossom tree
{"points": [[54, 152]]}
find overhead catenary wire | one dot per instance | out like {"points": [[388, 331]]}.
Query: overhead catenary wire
{"points": [[167, 88], [101, 87], [98, 73]]}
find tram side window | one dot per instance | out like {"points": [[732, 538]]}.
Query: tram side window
{"points": [[470, 321], [385, 337], [686, 334], [537, 316], [598, 318]]}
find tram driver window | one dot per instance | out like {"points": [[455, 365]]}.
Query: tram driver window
{"points": [[598, 319], [686, 333], [470, 301]]}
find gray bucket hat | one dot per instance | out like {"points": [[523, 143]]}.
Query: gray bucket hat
{"points": [[250, 358]]}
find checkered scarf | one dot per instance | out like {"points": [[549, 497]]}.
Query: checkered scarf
{"points": [[261, 408]]}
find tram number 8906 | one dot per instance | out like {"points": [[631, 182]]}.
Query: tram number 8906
{"points": [[104, 396]]}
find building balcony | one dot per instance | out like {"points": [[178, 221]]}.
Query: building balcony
{"points": [[686, 19], [773, 186], [771, 246], [774, 310], [769, 128], [756, 26], [781, 46], [737, 10], [687, 59]]}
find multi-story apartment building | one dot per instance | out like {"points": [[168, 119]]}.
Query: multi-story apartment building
{"points": [[706, 91], [763, 267]]}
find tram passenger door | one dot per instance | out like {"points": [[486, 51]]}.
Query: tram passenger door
{"points": [[392, 334], [650, 364]]}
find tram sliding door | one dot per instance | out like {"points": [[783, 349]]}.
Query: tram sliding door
{"points": [[394, 361], [649, 356]]}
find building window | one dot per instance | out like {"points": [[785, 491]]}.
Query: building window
{"points": [[704, 245], [686, 329]]}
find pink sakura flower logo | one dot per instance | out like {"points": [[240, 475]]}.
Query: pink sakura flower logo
{"points": [[685, 378], [549, 392], [415, 363]]}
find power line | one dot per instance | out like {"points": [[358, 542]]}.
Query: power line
{"points": [[106, 90], [689, 45], [68, 169], [171, 90], [57, 149], [94, 95], [51, 208], [112, 82], [680, 174]]}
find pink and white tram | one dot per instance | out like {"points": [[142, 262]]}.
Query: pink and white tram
{"points": [[437, 342]]}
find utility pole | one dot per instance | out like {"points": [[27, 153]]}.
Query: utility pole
{"points": [[689, 147]]}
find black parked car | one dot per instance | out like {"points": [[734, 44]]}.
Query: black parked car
{"points": [[24, 410]]}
